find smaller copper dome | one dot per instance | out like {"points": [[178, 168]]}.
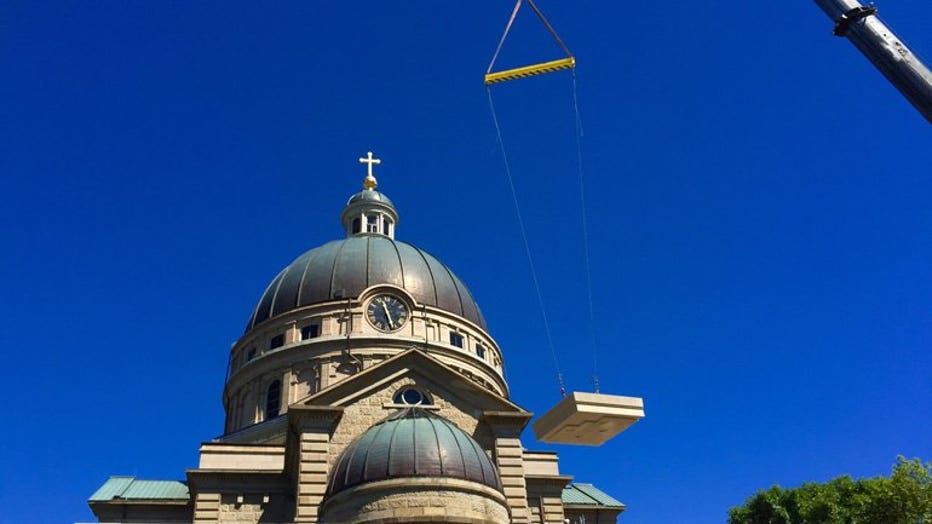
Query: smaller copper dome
{"points": [[370, 195], [412, 443]]}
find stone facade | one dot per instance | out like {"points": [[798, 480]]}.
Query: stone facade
{"points": [[241, 482], [247, 510], [360, 416]]}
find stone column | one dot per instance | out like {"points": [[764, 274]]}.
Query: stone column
{"points": [[206, 508], [292, 334], [309, 434], [547, 492], [509, 457], [241, 496], [288, 382]]}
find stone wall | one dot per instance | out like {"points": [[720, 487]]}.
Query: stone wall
{"points": [[240, 496], [363, 414], [417, 500], [545, 498], [251, 509], [148, 512], [232, 512], [206, 508], [592, 516]]}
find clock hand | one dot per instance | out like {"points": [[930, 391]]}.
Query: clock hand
{"points": [[391, 323]]}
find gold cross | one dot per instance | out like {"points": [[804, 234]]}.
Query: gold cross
{"points": [[369, 160]]}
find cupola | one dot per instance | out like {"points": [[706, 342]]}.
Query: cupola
{"points": [[369, 212]]}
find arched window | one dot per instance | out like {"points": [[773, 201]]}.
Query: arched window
{"points": [[412, 397], [310, 331], [356, 226], [372, 224], [273, 400]]}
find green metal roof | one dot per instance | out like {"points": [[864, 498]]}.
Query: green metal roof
{"points": [[128, 488], [588, 495]]}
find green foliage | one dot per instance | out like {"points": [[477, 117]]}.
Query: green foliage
{"points": [[903, 498]]}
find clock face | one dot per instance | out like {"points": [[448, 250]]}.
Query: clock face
{"points": [[387, 312]]}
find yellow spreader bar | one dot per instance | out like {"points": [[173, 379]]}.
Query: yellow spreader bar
{"points": [[531, 70]]}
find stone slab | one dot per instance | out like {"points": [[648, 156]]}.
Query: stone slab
{"points": [[588, 419]]}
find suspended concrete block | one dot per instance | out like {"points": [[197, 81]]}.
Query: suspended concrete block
{"points": [[588, 419]]}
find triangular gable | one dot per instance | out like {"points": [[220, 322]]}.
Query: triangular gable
{"points": [[410, 363]]}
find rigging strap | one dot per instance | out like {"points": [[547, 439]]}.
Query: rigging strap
{"points": [[501, 41], [568, 62], [548, 26]]}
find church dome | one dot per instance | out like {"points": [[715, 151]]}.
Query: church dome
{"points": [[344, 268], [412, 443], [368, 256]]}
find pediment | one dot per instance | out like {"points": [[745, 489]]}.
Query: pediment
{"points": [[422, 369]]}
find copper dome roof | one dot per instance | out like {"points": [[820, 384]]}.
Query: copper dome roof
{"points": [[412, 443], [344, 268]]}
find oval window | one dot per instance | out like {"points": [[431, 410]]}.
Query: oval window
{"points": [[411, 397]]}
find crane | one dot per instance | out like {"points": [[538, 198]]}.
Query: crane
{"points": [[860, 24]]}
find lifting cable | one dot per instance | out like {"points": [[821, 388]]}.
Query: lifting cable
{"points": [[585, 232], [527, 247], [523, 72]]}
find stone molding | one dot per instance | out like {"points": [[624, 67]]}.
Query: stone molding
{"points": [[413, 360], [514, 421], [302, 417]]}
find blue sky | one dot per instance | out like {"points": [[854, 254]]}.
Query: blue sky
{"points": [[757, 197]]}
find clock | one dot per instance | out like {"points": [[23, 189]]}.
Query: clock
{"points": [[387, 312]]}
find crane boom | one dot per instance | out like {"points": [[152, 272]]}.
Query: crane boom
{"points": [[884, 49]]}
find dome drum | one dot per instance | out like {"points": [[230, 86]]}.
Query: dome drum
{"points": [[311, 366], [375, 346], [347, 324]]}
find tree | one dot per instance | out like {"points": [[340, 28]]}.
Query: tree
{"points": [[903, 498]]}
